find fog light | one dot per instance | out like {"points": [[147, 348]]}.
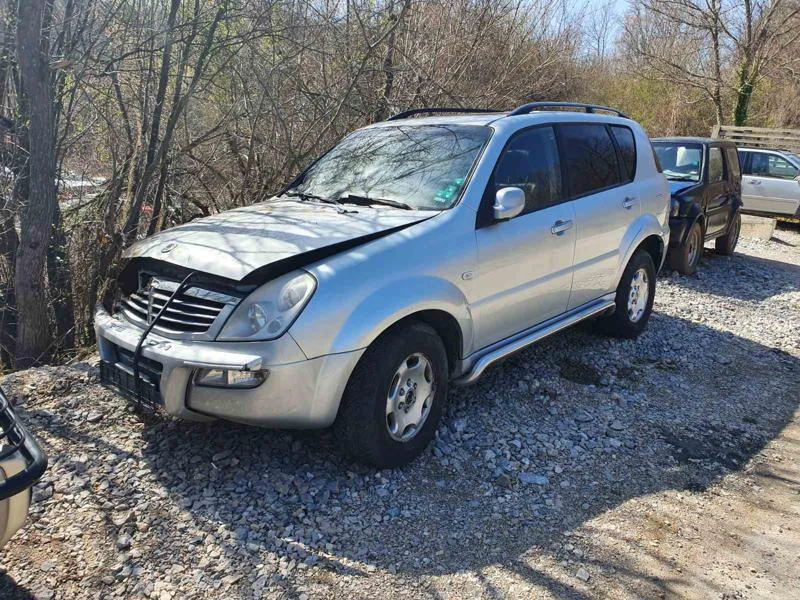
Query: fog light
{"points": [[228, 378]]}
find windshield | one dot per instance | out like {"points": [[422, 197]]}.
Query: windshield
{"points": [[422, 166], [681, 162]]}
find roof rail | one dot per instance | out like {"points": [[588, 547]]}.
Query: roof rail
{"points": [[420, 111], [589, 108]]}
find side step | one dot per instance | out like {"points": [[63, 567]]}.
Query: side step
{"points": [[509, 346]]}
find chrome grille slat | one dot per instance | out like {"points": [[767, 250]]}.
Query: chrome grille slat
{"points": [[208, 319], [192, 301], [137, 318], [168, 317], [192, 312]]}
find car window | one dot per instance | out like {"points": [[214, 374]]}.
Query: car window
{"points": [[679, 161], [716, 168], [627, 150], [424, 166], [772, 165], [590, 158], [530, 162], [732, 158]]}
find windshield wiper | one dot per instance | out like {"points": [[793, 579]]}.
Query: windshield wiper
{"points": [[684, 178], [367, 201], [306, 197]]}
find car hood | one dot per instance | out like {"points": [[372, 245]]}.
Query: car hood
{"points": [[235, 243], [676, 187]]}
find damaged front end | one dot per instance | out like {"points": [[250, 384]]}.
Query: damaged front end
{"points": [[190, 301]]}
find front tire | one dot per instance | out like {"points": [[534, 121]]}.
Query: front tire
{"points": [[726, 244], [685, 258], [634, 300], [393, 401]]}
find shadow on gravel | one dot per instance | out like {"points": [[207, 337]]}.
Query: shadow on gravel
{"points": [[10, 589], [660, 413], [758, 278]]}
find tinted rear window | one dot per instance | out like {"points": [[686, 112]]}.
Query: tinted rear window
{"points": [[716, 167], [590, 158], [627, 150]]}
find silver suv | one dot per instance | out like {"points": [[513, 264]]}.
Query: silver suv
{"points": [[770, 182], [415, 253]]}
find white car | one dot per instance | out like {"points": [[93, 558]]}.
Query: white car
{"points": [[770, 182]]}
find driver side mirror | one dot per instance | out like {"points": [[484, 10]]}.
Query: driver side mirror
{"points": [[508, 203]]}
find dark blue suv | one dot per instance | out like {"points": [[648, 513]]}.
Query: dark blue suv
{"points": [[706, 186]]}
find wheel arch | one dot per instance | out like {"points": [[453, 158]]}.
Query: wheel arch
{"points": [[648, 234], [446, 327], [429, 299], [654, 245]]}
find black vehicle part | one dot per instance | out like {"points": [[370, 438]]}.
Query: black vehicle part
{"points": [[589, 108], [524, 109], [19, 440], [437, 111], [137, 353], [726, 244], [681, 226]]}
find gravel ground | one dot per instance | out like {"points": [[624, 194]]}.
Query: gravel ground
{"points": [[582, 467]]}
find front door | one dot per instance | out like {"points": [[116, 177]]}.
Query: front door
{"points": [[525, 263], [769, 185]]}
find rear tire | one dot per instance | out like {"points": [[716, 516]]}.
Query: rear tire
{"points": [[634, 299], [685, 258], [726, 244], [377, 424]]}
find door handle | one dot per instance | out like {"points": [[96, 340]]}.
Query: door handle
{"points": [[628, 202], [560, 227], [755, 181]]}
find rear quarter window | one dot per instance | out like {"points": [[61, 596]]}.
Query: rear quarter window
{"points": [[716, 167], [733, 162], [590, 158], [627, 150]]}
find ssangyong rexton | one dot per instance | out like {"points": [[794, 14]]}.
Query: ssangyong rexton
{"points": [[413, 254]]}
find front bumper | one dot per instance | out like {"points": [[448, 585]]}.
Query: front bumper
{"points": [[298, 392]]}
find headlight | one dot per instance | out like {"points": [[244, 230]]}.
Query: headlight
{"points": [[674, 208], [268, 312]]}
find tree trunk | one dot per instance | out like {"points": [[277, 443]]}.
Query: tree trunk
{"points": [[743, 94], [388, 73], [132, 222], [36, 220], [58, 278]]}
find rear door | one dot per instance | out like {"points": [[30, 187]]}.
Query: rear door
{"points": [[600, 165], [770, 184], [717, 193], [525, 263]]}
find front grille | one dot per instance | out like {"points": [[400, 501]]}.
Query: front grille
{"points": [[193, 311]]}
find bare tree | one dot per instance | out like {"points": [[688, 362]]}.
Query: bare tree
{"points": [[36, 218], [701, 44]]}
